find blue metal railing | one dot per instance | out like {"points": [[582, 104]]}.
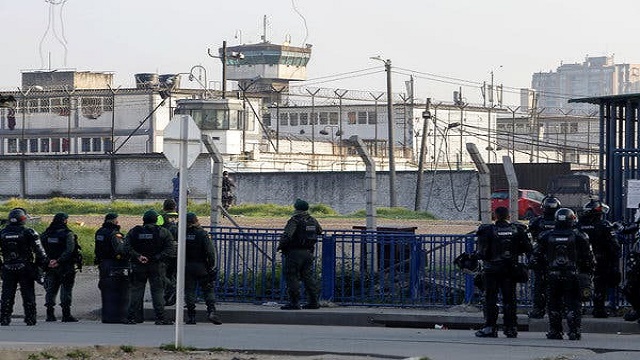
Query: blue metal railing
{"points": [[355, 268]]}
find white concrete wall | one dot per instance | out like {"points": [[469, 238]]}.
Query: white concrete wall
{"points": [[446, 195]]}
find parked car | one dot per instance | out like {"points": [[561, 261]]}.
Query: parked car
{"points": [[528, 202]]}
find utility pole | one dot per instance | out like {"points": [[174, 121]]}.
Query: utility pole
{"points": [[392, 161], [426, 116]]}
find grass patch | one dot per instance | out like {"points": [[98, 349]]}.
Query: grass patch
{"points": [[127, 349], [78, 354], [83, 207]]}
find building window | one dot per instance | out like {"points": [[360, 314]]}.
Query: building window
{"points": [[304, 119], [372, 118], [23, 145], [362, 117], [351, 117], [211, 119], [96, 144], [65, 145], [314, 119], [293, 119], [333, 118], [12, 146], [44, 145], [33, 145], [324, 118], [266, 119], [55, 145], [284, 119], [107, 145], [573, 127], [85, 145]]}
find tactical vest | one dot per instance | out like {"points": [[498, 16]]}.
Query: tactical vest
{"points": [[55, 243], [562, 253], [15, 250], [103, 247], [541, 225], [503, 246], [145, 240], [194, 251], [599, 237], [306, 233]]}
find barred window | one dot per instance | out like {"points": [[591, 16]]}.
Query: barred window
{"points": [[333, 118]]}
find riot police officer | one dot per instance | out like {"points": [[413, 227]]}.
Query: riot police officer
{"points": [[606, 251], [149, 246], [567, 256], [200, 269], [113, 267], [499, 246], [297, 244], [631, 288], [59, 243], [18, 245], [169, 219], [538, 225]]}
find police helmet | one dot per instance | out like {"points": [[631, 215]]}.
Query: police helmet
{"points": [[550, 204], [565, 218], [17, 216], [595, 207]]}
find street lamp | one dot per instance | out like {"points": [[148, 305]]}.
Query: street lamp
{"points": [[223, 58], [392, 163], [192, 77]]}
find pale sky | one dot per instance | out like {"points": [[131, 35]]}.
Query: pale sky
{"points": [[460, 40]]}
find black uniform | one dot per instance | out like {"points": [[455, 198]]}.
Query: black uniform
{"points": [[631, 288], [200, 269], [227, 190], [297, 245], [114, 268], [59, 243], [18, 245], [606, 251], [499, 246], [149, 245], [536, 227], [169, 219], [567, 256]]}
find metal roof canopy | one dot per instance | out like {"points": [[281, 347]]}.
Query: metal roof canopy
{"points": [[619, 148]]}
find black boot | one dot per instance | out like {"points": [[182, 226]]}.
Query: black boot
{"points": [[213, 316], [191, 317], [66, 315], [51, 316]]}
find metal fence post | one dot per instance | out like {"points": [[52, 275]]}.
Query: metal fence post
{"points": [[416, 255], [328, 267], [469, 244]]}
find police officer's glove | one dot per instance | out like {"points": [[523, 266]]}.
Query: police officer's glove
{"points": [[618, 226]]}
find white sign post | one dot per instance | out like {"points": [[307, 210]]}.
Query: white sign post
{"points": [[182, 145]]}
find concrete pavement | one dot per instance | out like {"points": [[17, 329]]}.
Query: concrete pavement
{"points": [[86, 305]]}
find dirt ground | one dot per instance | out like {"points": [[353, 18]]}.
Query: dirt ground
{"points": [[135, 353]]}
